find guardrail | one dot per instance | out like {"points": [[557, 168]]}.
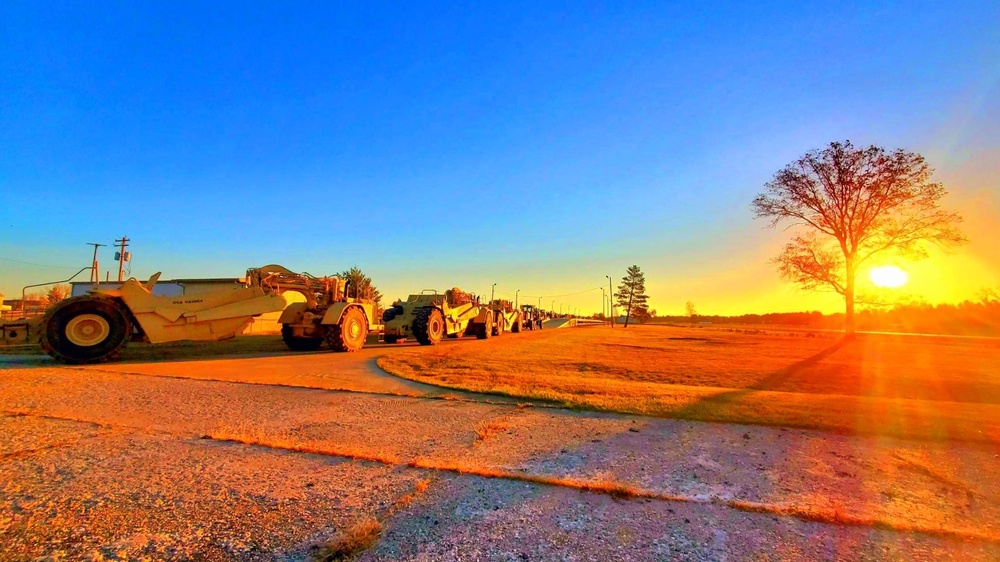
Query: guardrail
{"points": [[6, 315], [556, 323]]}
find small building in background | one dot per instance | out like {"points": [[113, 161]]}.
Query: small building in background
{"points": [[5, 309], [13, 309]]}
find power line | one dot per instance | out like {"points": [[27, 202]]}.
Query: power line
{"points": [[562, 295], [36, 264]]}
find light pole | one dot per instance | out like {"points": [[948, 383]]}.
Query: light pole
{"points": [[517, 292], [602, 301], [493, 290], [560, 309], [539, 303], [611, 306], [553, 307]]}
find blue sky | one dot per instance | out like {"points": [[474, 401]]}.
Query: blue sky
{"points": [[540, 146]]}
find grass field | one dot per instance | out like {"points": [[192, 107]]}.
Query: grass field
{"points": [[901, 386]]}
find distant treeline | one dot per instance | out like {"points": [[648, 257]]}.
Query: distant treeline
{"points": [[980, 318]]}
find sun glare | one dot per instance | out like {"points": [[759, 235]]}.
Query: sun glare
{"points": [[888, 276]]}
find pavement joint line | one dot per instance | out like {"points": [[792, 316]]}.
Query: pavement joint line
{"points": [[443, 396], [98, 424], [620, 491], [29, 452], [616, 490], [28, 414]]}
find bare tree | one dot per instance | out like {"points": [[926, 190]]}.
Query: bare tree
{"points": [[856, 204], [631, 293], [55, 294], [690, 309], [986, 295]]}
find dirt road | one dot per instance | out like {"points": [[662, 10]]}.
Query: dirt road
{"points": [[268, 458]]}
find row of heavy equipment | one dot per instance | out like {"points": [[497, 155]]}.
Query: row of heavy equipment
{"points": [[95, 327], [431, 316]]}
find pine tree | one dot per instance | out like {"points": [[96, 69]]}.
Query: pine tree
{"points": [[631, 293], [360, 285]]}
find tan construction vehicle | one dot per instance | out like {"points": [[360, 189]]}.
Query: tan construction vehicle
{"points": [[329, 314], [95, 327], [430, 316], [505, 316], [531, 317]]}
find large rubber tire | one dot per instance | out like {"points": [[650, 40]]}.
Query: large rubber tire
{"points": [[516, 328], [297, 343], [500, 327], [350, 333], [392, 312], [390, 339], [86, 329], [486, 330], [428, 326]]}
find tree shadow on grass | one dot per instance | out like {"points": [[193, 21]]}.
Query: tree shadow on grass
{"points": [[712, 407]]}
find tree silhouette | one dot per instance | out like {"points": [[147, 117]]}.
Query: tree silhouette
{"points": [[690, 309], [631, 293], [856, 204], [644, 315]]}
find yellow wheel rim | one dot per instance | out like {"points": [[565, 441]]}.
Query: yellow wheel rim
{"points": [[87, 330], [355, 329]]}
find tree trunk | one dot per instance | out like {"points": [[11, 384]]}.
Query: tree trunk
{"points": [[849, 326], [628, 312]]}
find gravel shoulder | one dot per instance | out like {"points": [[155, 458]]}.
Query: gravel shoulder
{"points": [[111, 462], [467, 518]]}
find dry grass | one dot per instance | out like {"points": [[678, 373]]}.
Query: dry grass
{"points": [[609, 487], [488, 428], [836, 517], [902, 386], [405, 500], [254, 435], [352, 541], [363, 534], [622, 491]]}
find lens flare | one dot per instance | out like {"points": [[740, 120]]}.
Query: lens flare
{"points": [[888, 276]]}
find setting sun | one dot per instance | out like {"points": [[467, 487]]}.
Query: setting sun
{"points": [[888, 276]]}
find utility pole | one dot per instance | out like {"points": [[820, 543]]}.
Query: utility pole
{"points": [[516, 301], [122, 256], [611, 303], [602, 301], [493, 290], [95, 271]]}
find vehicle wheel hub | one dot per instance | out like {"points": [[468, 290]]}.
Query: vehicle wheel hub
{"points": [[87, 330]]}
